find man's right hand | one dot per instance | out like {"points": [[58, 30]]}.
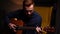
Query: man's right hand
{"points": [[12, 26]]}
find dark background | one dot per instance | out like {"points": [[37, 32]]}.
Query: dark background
{"points": [[37, 3], [45, 2]]}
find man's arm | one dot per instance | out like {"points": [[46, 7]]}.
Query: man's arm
{"points": [[9, 24], [6, 19], [36, 22]]}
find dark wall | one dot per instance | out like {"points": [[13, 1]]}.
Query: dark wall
{"points": [[44, 2], [58, 18], [11, 5], [53, 15]]}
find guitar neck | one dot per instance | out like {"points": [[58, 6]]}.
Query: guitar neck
{"points": [[25, 28]]}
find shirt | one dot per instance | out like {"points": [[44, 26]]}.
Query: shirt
{"points": [[33, 21]]}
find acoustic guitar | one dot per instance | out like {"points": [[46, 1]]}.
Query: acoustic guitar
{"points": [[20, 27]]}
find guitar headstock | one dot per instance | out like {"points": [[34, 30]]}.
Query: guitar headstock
{"points": [[49, 29]]}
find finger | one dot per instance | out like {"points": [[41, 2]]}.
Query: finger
{"points": [[10, 27], [37, 29], [14, 30], [14, 25]]}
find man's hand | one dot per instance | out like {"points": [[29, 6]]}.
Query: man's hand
{"points": [[12, 26], [38, 29]]}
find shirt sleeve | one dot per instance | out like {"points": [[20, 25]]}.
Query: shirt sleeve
{"points": [[7, 21], [10, 15], [36, 21], [7, 17]]}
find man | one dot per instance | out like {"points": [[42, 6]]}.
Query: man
{"points": [[28, 16]]}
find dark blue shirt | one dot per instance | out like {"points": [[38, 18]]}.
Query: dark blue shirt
{"points": [[34, 20]]}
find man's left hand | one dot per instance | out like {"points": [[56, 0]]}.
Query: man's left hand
{"points": [[38, 29]]}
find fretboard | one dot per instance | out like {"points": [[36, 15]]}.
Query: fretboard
{"points": [[25, 28]]}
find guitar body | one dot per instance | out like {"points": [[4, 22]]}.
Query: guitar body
{"points": [[17, 22], [21, 23]]}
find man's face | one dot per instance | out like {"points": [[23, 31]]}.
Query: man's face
{"points": [[29, 9]]}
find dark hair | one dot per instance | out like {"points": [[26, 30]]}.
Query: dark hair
{"points": [[27, 3]]}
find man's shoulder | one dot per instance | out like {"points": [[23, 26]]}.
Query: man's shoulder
{"points": [[36, 14], [14, 12]]}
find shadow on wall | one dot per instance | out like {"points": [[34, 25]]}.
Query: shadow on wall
{"points": [[11, 5]]}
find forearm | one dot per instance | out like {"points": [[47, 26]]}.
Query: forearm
{"points": [[7, 20]]}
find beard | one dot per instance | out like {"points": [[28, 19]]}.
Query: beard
{"points": [[27, 14]]}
